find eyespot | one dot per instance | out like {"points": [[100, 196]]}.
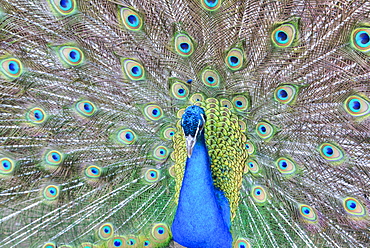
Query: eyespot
{"points": [[242, 125], [146, 243], [132, 241], [284, 35], [152, 175], [160, 232], [106, 231], [83, 245], [160, 153], [86, 108], [265, 130], [131, 19], [64, 7], [54, 158], [126, 136], [241, 243], [286, 166], [168, 133], [93, 172], [258, 194], [211, 78], [117, 242], [307, 213], [49, 245], [197, 97], [153, 112], [226, 103], [172, 171], [241, 103], [11, 68], [51, 192], [72, 56], [357, 106], [7, 166], [234, 59], [285, 94], [353, 207], [133, 70], [331, 152], [360, 39], [36, 115], [253, 166], [183, 45], [250, 147], [211, 5], [179, 90]]}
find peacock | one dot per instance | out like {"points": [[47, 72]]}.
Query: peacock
{"points": [[184, 123]]}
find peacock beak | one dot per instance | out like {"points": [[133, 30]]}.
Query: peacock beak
{"points": [[190, 142]]}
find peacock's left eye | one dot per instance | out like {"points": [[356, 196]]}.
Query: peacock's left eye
{"points": [[72, 56], [86, 108], [360, 39], [131, 19], [11, 68], [234, 59], [284, 35], [184, 46]]}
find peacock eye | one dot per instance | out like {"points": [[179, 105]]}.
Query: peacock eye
{"points": [[357, 106], [241, 103], [211, 78], [184, 46], [160, 232], [308, 213], [360, 39], [284, 35], [286, 166], [332, 153], [265, 130], [179, 90], [131, 19], [11, 68], [133, 70], [152, 175], [353, 207], [106, 231], [211, 5], [64, 7], [285, 94], [85, 108], [234, 59], [36, 115], [241, 243], [71, 56], [126, 136]]}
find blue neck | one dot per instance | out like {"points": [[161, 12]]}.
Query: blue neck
{"points": [[199, 219]]}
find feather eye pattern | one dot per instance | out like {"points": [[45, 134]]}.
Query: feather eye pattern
{"points": [[93, 151]]}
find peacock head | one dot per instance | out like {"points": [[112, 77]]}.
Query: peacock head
{"points": [[193, 121]]}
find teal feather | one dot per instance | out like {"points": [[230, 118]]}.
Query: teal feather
{"points": [[92, 152]]}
